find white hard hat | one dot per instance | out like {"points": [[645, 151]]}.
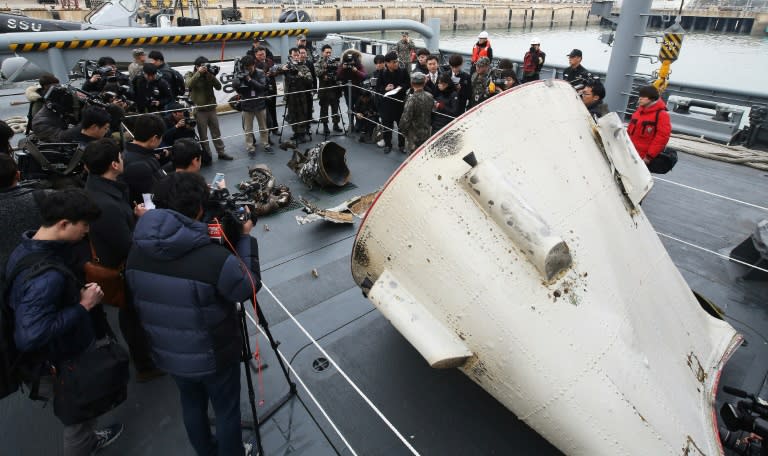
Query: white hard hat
{"points": [[535, 41], [483, 34]]}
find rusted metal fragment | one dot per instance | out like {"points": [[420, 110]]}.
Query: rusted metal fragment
{"points": [[343, 213]]}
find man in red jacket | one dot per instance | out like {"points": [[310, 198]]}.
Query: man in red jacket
{"points": [[649, 128]]}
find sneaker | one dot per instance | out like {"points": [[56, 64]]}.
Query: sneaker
{"points": [[363, 139], [225, 156], [105, 437], [250, 449], [381, 143], [387, 149], [401, 149], [268, 149], [251, 153]]}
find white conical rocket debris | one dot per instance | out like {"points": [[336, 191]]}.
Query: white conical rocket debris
{"points": [[513, 246]]}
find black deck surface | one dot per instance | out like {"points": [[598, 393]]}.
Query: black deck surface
{"points": [[438, 412]]}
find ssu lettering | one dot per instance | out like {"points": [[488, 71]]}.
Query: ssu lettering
{"points": [[24, 25]]}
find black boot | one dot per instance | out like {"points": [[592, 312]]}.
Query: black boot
{"points": [[336, 127], [326, 131]]}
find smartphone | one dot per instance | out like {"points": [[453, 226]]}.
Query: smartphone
{"points": [[216, 180]]}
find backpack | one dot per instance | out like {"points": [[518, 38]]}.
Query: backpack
{"points": [[17, 368], [175, 80]]}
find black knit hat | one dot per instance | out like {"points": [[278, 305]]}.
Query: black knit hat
{"points": [[649, 92]]}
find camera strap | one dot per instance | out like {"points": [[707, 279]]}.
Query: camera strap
{"points": [[32, 149]]}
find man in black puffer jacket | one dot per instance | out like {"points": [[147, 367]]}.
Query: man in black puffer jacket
{"points": [[185, 289]]}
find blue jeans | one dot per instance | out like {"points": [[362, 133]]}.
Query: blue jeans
{"points": [[223, 390]]}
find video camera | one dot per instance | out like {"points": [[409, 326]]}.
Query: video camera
{"points": [[52, 165], [331, 66], [496, 75], [748, 415], [229, 209]]}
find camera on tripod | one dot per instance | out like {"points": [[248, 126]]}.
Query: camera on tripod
{"points": [[749, 415], [331, 67]]}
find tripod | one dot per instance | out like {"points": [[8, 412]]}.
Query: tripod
{"points": [[324, 120], [247, 366], [282, 125]]}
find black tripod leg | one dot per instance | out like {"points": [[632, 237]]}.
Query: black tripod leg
{"points": [[246, 365], [274, 344]]}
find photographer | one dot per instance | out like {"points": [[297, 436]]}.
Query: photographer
{"points": [[330, 92], [186, 291], [35, 94], [202, 82], [178, 125], [55, 117], [351, 71], [298, 95], [265, 62], [252, 88], [150, 92], [106, 72], [365, 116]]}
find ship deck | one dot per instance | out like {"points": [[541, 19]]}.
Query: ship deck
{"points": [[306, 271]]}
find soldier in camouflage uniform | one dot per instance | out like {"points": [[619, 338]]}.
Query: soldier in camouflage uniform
{"points": [[298, 78], [404, 48], [416, 121], [481, 87]]}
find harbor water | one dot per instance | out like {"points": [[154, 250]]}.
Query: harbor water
{"points": [[712, 59]]}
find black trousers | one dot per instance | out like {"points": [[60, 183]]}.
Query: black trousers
{"points": [[133, 333]]}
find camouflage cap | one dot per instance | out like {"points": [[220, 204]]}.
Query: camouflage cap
{"points": [[137, 52], [417, 77], [483, 61]]}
